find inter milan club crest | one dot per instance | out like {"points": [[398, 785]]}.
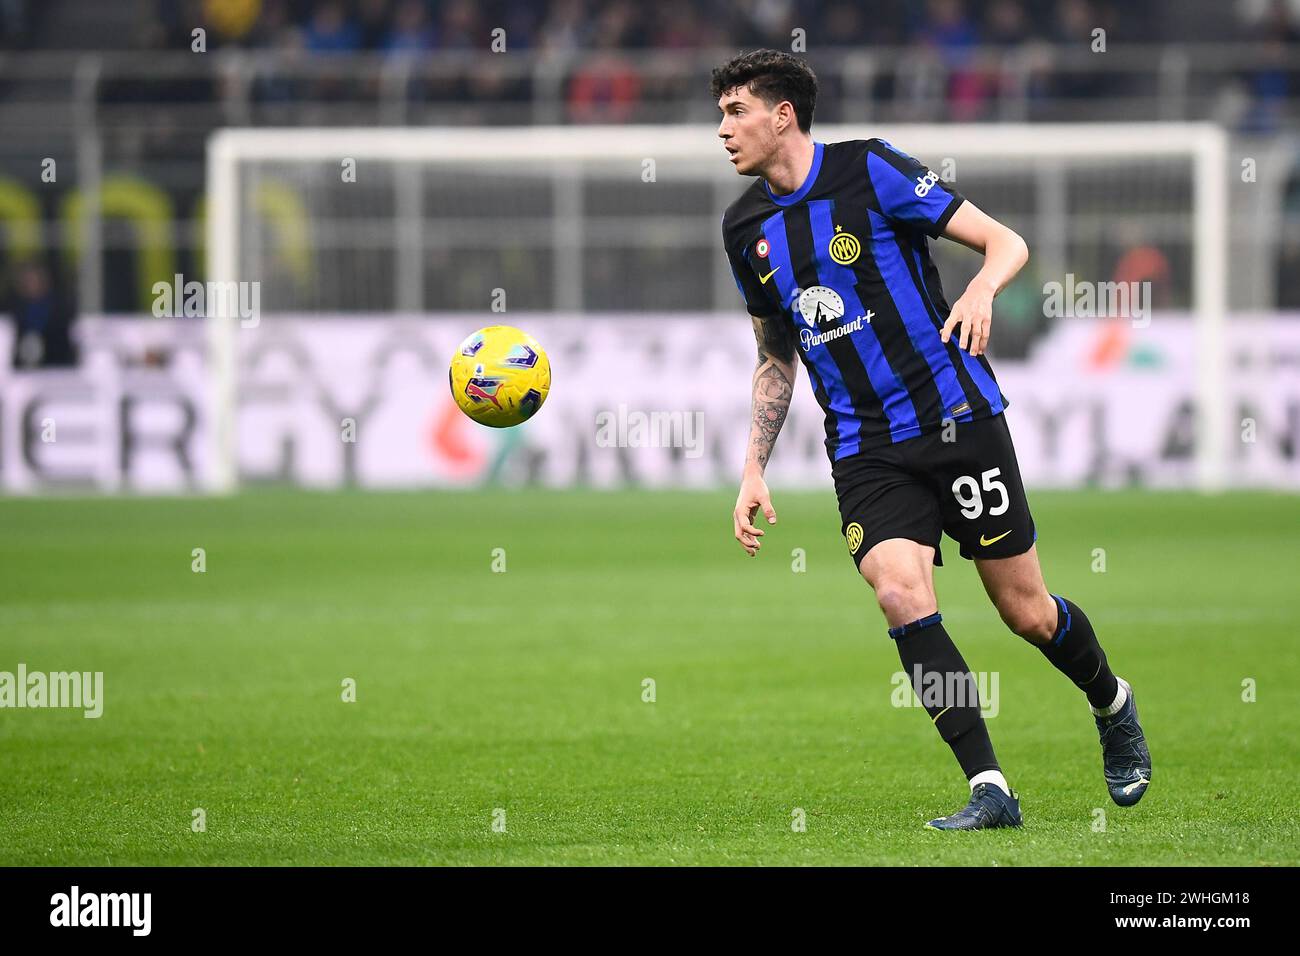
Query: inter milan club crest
{"points": [[761, 248], [853, 534], [844, 247]]}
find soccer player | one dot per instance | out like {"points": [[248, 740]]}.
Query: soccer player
{"points": [[829, 248]]}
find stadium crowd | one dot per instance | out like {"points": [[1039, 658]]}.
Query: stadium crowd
{"points": [[951, 26], [964, 38]]}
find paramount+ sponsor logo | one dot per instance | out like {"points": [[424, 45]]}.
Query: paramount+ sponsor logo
{"points": [[808, 338], [820, 305]]}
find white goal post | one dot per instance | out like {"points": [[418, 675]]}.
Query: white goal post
{"points": [[233, 152]]}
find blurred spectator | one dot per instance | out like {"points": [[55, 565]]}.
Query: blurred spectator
{"points": [[374, 22], [844, 25], [42, 320], [412, 32], [278, 86], [460, 27], [15, 23], [522, 19], [1255, 12], [952, 33], [566, 26], [605, 89], [778, 17], [679, 26], [331, 31], [1270, 85], [1006, 24], [276, 23], [1288, 253], [948, 28], [1075, 21]]}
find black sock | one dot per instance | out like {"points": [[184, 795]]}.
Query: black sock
{"points": [[947, 690], [1074, 652]]}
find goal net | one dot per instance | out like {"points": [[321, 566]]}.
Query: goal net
{"points": [[625, 221]]}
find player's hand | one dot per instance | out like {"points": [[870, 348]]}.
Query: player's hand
{"points": [[974, 313], [753, 496]]}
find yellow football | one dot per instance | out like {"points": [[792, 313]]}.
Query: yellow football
{"points": [[500, 376]]}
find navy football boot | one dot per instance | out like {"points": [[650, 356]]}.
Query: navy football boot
{"points": [[989, 807], [1125, 760]]}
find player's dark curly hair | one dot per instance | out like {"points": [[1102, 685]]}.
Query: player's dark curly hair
{"points": [[772, 76]]}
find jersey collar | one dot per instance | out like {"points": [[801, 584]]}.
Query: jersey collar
{"points": [[803, 190]]}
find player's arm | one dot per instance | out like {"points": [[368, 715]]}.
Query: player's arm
{"points": [[773, 384], [1005, 253]]}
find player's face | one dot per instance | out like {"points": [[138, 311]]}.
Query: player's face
{"points": [[747, 130]]}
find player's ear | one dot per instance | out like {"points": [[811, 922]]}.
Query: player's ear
{"points": [[785, 115]]}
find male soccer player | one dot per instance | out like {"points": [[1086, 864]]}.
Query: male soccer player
{"points": [[829, 250]]}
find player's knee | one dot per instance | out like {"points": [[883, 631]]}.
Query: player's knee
{"points": [[1028, 616], [903, 600]]}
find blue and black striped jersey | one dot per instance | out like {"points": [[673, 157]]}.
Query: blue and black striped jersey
{"points": [[845, 259]]}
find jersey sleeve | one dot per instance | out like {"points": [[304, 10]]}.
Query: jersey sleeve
{"points": [[908, 192], [757, 301]]}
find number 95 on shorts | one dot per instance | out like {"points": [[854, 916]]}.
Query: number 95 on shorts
{"points": [[963, 481]]}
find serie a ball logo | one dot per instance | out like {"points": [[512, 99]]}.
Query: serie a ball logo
{"points": [[500, 376], [844, 247]]}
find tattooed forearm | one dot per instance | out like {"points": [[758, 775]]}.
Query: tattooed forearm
{"points": [[773, 389]]}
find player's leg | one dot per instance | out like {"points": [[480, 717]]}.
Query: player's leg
{"points": [[1062, 632], [984, 507], [900, 571], [892, 525], [1055, 625]]}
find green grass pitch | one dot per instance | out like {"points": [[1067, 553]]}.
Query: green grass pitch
{"points": [[523, 690]]}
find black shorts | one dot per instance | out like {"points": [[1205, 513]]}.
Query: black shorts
{"points": [[968, 486]]}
